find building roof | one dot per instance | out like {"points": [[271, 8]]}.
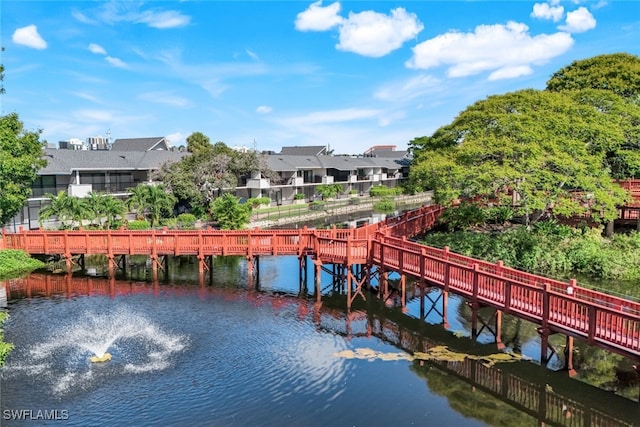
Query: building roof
{"points": [[65, 162], [309, 150], [141, 144], [282, 163]]}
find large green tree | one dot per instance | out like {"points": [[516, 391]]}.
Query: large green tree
{"points": [[611, 84], [20, 159], [209, 171], [543, 146], [618, 73]]}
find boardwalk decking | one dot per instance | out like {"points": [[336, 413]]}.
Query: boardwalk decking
{"points": [[600, 319]]}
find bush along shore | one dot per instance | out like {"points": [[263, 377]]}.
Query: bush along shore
{"points": [[555, 250], [14, 263]]}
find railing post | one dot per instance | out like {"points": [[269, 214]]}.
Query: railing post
{"points": [[476, 274], [545, 305]]}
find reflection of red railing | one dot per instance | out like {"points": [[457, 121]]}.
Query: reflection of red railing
{"points": [[601, 319]]}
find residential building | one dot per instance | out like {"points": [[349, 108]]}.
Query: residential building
{"points": [[128, 162]]}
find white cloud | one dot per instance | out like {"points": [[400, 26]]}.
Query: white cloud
{"points": [[579, 21], [318, 18], [176, 139], [97, 49], [375, 34], [511, 72], [546, 11], [264, 109], [116, 62], [163, 20], [93, 115], [81, 17], [166, 98], [504, 49], [332, 116], [28, 36], [407, 90], [252, 55]]}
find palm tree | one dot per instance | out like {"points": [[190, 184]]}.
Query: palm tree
{"points": [[59, 207], [113, 208], [95, 205], [151, 200]]}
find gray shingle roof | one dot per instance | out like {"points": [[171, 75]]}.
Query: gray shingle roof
{"points": [[310, 150], [140, 144], [64, 162]]}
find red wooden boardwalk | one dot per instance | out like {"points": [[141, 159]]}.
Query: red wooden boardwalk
{"points": [[604, 320]]}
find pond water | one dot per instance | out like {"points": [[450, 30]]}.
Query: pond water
{"points": [[219, 352]]}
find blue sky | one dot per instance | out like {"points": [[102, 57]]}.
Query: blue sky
{"points": [[348, 74]]}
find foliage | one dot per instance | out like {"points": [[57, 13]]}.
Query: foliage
{"points": [[386, 205], [5, 347], [15, 262], [552, 249], [20, 159], [499, 214], [543, 146], [298, 196], [197, 179], [187, 221], [384, 191], [139, 225], [69, 210], [254, 202], [229, 213], [618, 73], [105, 207], [354, 201], [464, 216], [328, 191], [152, 201]]}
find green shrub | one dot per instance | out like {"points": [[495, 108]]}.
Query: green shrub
{"points": [[499, 214], [254, 202], [384, 191], [298, 196], [187, 221], [139, 224], [464, 216], [385, 205], [15, 262]]}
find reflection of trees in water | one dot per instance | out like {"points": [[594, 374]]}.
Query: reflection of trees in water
{"points": [[469, 401], [515, 331], [595, 366]]}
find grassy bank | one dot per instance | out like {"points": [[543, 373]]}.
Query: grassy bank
{"points": [[557, 251], [14, 263]]}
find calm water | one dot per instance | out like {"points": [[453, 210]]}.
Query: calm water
{"points": [[219, 353]]}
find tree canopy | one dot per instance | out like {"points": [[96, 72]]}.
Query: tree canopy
{"points": [[618, 73], [557, 148], [211, 169], [540, 145], [20, 159]]}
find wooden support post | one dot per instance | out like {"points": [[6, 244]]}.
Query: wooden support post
{"points": [[403, 291], [445, 303], [499, 344], [349, 299], [568, 356]]}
